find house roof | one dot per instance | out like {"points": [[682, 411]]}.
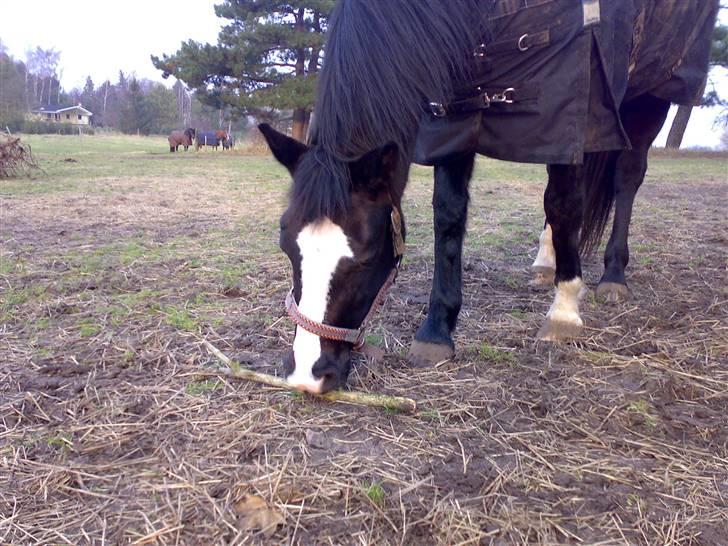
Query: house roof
{"points": [[57, 108]]}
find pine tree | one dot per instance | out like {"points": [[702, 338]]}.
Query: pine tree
{"points": [[267, 56], [134, 115]]}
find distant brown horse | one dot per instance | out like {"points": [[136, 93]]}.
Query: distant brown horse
{"points": [[181, 138], [221, 137]]}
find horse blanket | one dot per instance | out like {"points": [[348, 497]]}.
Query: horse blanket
{"points": [[207, 138], [551, 76]]}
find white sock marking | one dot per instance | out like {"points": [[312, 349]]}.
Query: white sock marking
{"points": [[322, 245], [546, 256], [565, 307]]}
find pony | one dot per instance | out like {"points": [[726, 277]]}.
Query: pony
{"points": [[207, 138], [221, 136], [580, 86], [228, 143], [181, 138]]}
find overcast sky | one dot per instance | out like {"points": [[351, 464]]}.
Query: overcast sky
{"points": [[101, 37]]}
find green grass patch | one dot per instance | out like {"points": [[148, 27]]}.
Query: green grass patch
{"points": [[597, 357], [374, 339], [12, 299], [642, 408], [180, 319], [375, 493], [88, 328], [494, 354], [431, 415], [62, 441], [200, 388], [9, 266]]}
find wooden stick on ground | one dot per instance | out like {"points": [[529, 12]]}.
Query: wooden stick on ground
{"points": [[353, 397]]}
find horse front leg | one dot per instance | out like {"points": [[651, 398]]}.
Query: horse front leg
{"points": [[433, 342], [563, 205]]}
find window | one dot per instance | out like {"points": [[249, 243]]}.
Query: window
{"points": [[68, 116], [80, 117]]}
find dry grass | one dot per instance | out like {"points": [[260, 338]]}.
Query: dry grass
{"points": [[109, 435]]}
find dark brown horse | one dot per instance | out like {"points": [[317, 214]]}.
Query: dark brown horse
{"points": [[582, 86], [181, 138]]}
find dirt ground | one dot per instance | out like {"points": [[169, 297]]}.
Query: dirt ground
{"points": [[115, 267]]}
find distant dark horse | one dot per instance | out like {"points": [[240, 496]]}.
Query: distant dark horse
{"points": [[181, 138], [228, 143], [582, 86], [207, 138]]}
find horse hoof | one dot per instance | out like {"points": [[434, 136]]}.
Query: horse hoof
{"points": [[612, 292], [556, 330], [423, 354], [543, 277]]}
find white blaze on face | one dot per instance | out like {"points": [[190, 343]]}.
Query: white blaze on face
{"points": [[565, 307], [322, 246], [546, 257]]}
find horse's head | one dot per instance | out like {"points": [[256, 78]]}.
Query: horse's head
{"points": [[344, 236], [190, 132]]}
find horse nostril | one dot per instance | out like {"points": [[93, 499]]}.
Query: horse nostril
{"points": [[329, 381]]}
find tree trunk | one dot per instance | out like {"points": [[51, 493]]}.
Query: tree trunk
{"points": [[300, 114], [106, 95], [300, 124], [679, 124]]}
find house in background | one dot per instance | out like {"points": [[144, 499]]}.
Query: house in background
{"points": [[53, 113]]}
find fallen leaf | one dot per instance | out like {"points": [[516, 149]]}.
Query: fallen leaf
{"points": [[254, 513]]}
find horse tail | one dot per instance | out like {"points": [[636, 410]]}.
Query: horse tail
{"points": [[599, 172]]}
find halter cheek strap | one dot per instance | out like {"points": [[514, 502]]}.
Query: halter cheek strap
{"points": [[350, 335]]}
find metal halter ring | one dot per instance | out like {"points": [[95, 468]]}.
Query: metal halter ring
{"points": [[480, 51], [505, 96], [437, 109], [522, 44]]}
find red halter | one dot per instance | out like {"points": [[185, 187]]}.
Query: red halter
{"points": [[350, 335]]}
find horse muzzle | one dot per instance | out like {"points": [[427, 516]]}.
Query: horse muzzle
{"points": [[328, 373]]}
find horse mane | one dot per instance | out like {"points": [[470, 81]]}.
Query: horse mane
{"points": [[384, 60]]}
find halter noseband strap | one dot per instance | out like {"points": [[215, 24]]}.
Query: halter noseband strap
{"points": [[336, 333], [350, 335]]}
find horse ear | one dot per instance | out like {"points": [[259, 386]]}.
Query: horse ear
{"points": [[376, 170], [285, 149]]}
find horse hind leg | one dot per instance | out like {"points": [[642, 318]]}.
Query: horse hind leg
{"points": [[643, 118], [563, 205], [544, 266], [433, 342]]}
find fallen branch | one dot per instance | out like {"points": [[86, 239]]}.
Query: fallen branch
{"points": [[353, 397]]}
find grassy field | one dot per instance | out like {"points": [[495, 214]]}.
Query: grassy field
{"points": [[120, 258]]}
